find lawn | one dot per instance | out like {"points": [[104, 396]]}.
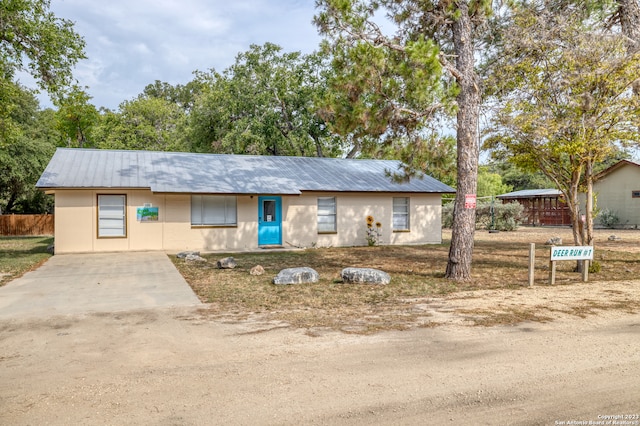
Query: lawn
{"points": [[21, 254], [417, 273]]}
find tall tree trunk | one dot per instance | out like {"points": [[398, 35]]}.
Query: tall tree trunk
{"points": [[11, 202], [574, 208], [588, 174], [464, 219], [577, 225]]}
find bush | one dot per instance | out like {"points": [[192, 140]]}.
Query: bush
{"points": [[506, 217], [608, 218]]}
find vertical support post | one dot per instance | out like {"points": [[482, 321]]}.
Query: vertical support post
{"points": [[532, 263], [585, 271], [552, 268]]}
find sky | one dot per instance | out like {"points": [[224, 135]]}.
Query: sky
{"points": [[132, 43]]}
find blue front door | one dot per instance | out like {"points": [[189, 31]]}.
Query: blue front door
{"points": [[269, 221]]}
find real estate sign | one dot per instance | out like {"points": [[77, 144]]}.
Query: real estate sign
{"points": [[571, 253]]}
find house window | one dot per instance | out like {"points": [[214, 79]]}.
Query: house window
{"points": [[326, 215], [635, 194], [400, 213], [112, 216], [213, 210]]}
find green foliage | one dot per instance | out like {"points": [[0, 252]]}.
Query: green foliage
{"points": [[75, 118], [264, 104], [145, 123], [393, 86], [13, 98], [431, 154], [26, 155], [490, 183], [563, 86], [33, 39], [489, 215], [383, 94], [608, 218], [21, 164], [594, 267], [517, 179], [182, 96]]}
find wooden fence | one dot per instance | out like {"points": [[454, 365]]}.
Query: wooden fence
{"points": [[26, 224]]}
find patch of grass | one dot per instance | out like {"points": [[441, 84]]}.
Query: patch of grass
{"points": [[21, 254], [510, 316], [417, 272], [591, 307]]}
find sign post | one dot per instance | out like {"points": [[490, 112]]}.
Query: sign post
{"points": [[532, 263], [584, 253]]}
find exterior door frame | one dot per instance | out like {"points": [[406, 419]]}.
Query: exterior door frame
{"points": [[269, 227]]}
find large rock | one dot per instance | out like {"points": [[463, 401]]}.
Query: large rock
{"points": [[365, 276], [296, 276], [226, 263], [194, 258], [184, 254]]}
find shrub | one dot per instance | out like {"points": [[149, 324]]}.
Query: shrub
{"points": [[506, 217], [447, 215], [608, 218]]}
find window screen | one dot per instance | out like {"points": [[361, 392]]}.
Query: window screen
{"points": [[327, 214], [213, 210], [112, 216], [400, 213]]}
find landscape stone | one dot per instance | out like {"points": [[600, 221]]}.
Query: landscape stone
{"points": [[554, 241], [614, 238], [301, 275], [194, 258], [51, 249], [184, 254], [365, 276], [257, 270], [226, 263]]}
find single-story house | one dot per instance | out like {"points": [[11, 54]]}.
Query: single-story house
{"points": [[617, 189], [541, 206], [110, 200]]}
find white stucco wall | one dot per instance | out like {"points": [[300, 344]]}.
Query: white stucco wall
{"points": [[76, 222]]}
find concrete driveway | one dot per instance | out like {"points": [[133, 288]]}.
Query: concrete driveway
{"points": [[96, 282]]}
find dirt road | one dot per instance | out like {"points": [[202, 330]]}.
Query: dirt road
{"points": [[168, 367]]}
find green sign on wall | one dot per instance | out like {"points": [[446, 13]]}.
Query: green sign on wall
{"points": [[147, 214]]}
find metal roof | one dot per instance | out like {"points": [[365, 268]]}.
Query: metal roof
{"points": [[224, 174], [532, 193]]}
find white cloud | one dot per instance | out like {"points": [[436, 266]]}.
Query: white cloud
{"points": [[132, 43]]}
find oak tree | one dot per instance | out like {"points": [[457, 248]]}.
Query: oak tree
{"points": [[34, 40], [264, 104]]}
